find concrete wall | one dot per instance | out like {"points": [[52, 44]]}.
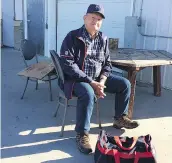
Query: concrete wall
{"points": [[18, 33], [18, 24]]}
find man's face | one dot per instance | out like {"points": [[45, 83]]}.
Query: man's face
{"points": [[93, 22]]}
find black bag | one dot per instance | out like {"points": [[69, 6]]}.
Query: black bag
{"points": [[115, 149]]}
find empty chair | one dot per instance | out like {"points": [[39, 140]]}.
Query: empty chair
{"points": [[29, 52]]}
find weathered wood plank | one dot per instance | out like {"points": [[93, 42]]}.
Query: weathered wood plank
{"points": [[38, 70], [140, 58]]}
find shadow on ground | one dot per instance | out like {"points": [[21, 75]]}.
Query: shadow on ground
{"points": [[28, 125]]}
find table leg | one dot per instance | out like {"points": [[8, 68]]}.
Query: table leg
{"points": [[132, 79], [157, 80]]}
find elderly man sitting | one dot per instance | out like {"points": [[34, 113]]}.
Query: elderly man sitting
{"points": [[86, 64]]}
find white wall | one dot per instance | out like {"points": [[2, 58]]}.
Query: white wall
{"points": [[71, 12], [7, 18], [157, 20], [18, 10], [0, 10]]}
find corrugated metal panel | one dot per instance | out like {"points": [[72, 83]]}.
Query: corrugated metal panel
{"points": [[71, 12], [157, 20]]}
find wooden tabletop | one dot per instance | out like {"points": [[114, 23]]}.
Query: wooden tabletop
{"points": [[140, 57]]}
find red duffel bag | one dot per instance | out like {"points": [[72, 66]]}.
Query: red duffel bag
{"points": [[115, 149]]}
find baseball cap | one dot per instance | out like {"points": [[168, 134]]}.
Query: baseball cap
{"points": [[94, 8]]}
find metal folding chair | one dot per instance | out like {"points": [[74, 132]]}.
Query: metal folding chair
{"points": [[29, 52], [61, 97]]}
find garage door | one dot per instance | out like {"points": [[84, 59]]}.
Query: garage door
{"points": [[71, 12]]}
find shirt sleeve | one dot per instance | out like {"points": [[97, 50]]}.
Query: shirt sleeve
{"points": [[107, 67]]}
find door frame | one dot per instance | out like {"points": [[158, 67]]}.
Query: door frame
{"points": [[25, 21], [50, 29]]}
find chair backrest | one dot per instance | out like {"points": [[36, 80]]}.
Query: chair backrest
{"points": [[28, 49], [56, 61]]}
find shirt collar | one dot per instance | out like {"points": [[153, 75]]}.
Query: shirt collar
{"points": [[86, 34]]}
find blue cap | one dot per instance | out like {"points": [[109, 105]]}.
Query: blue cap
{"points": [[93, 8]]}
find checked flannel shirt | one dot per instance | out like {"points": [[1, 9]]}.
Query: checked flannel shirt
{"points": [[95, 55]]}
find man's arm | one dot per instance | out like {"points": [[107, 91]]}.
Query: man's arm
{"points": [[103, 79], [69, 66], [107, 67]]}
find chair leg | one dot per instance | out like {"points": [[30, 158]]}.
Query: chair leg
{"points": [[98, 114], [49, 80], [25, 88], [36, 85], [55, 114], [63, 122]]}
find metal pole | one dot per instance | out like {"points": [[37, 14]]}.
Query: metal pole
{"points": [[134, 7], [46, 28], [25, 22], [56, 22], [14, 7]]}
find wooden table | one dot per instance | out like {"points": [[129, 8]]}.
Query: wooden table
{"points": [[134, 60]]}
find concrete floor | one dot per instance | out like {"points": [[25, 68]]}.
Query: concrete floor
{"points": [[30, 133]]}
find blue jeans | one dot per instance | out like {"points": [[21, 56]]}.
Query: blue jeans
{"points": [[85, 103]]}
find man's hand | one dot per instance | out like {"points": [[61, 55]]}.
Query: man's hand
{"points": [[98, 88], [100, 92]]}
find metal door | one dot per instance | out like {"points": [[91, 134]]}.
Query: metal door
{"points": [[35, 18]]}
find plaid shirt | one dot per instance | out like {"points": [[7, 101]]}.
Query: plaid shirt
{"points": [[95, 55]]}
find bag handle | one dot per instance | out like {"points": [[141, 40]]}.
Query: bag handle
{"points": [[117, 140]]}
